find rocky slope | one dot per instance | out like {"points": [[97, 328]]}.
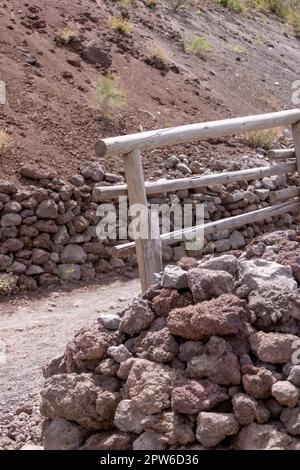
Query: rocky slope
{"points": [[49, 84], [206, 359]]}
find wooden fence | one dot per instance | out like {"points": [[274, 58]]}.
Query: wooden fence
{"points": [[149, 252]]}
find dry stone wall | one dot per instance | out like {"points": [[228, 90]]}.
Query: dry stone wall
{"points": [[48, 227]]}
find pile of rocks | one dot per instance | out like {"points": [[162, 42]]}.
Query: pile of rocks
{"points": [[48, 230], [208, 358], [21, 425]]}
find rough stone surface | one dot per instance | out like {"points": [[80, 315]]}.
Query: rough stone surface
{"points": [[137, 317], [212, 428], [221, 316], [285, 393], [174, 277], [196, 396], [217, 363], [227, 263], [78, 398], [273, 347], [259, 274], [205, 284], [61, 434], [149, 386]]}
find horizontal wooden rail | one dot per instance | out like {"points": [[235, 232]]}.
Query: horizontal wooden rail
{"points": [[230, 223], [150, 140], [283, 194], [105, 193], [281, 154]]}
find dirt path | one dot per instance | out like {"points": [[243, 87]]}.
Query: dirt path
{"points": [[40, 329]]}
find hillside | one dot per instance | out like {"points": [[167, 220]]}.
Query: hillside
{"points": [[249, 70]]}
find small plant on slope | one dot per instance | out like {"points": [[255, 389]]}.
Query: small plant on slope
{"points": [[67, 34], [199, 46], [117, 23], [107, 95], [264, 139], [8, 284], [5, 141]]}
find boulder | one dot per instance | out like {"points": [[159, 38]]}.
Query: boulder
{"points": [[36, 174], [273, 307], [176, 429], [244, 408], [285, 393], [167, 300], [108, 441], [212, 428], [294, 375], [94, 54], [149, 440], [174, 277], [11, 220], [196, 396], [258, 382], [228, 263], [129, 417], [89, 347], [276, 348], [263, 437], [291, 419], [206, 284], [217, 363], [78, 398], [217, 317], [137, 317], [61, 434], [47, 209], [260, 274], [149, 386], [157, 346], [73, 254], [93, 171]]}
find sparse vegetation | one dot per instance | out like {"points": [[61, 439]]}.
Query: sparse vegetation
{"points": [[118, 23], [235, 5], [237, 48], [287, 10], [177, 4], [8, 284], [157, 52], [198, 45], [5, 141], [107, 95], [260, 40], [67, 34], [264, 139]]}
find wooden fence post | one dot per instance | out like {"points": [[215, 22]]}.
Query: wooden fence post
{"points": [[146, 250]]}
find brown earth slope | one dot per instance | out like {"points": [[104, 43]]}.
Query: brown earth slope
{"points": [[48, 85]]}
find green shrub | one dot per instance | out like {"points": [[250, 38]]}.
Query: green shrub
{"points": [[107, 95], [67, 34], [8, 284], [264, 139], [117, 23], [235, 5], [198, 45]]}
